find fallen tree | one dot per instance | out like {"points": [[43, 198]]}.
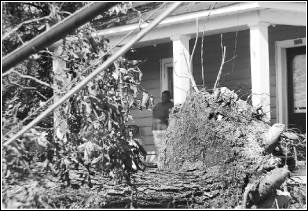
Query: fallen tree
{"points": [[217, 153], [151, 189]]}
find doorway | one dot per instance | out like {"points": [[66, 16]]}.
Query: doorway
{"points": [[166, 75], [291, 82], [296, 92]]}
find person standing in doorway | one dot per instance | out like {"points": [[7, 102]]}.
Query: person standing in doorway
{"points": [[161, 112], [160, 122]]}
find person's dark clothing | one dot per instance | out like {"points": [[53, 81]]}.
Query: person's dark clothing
{"points": [[161, 115]]}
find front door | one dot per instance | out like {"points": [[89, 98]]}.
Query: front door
{"points": [[166, 73], [296, 73]]}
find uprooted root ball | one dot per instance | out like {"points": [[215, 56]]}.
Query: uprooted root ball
{"points": [[222, 135]]}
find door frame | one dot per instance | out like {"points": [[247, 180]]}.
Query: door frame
{"points": [[281, 76], [165, 63]]}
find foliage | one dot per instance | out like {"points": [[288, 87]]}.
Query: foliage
{"points": [[89, 130], [95, 118], [24, 20]]}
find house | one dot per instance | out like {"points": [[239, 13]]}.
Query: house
{"points": [[265, 54]]}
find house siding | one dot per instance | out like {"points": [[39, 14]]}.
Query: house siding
{"points": [[236, 74]]}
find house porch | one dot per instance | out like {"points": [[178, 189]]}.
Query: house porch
{"points": [[250, 32]]}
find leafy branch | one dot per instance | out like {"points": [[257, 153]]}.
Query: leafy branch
{"points": [[5, 36]]}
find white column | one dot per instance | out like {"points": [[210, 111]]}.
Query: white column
{"points": [[259, 65], [181, 68]]}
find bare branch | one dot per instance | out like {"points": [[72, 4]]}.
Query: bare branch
{"points": [[230, 59], [202, 63], [21, 24], [40, 94], [196, 41], [189, 63], [221, 64], [191, 77], [65, 12], [22, 42], [26, 76], [23, 87], [234, 51], [29, 88], [47, 51], [221, 42], [181, 76], [223, 59]]}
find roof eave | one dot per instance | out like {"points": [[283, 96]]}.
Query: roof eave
{"points": [[239, 8]]}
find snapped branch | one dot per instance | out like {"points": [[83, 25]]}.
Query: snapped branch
{"points": [[26, 76]]}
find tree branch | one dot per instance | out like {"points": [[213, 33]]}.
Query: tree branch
{"points": [[196, 41], [234, 51], [203, 34], [230, 59], [22, 42], [23, 87], [189, 63], [191, 77], [29, 88], [20, 25], [41, 95], [65, 12], [26, 76], [221, 64]]}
